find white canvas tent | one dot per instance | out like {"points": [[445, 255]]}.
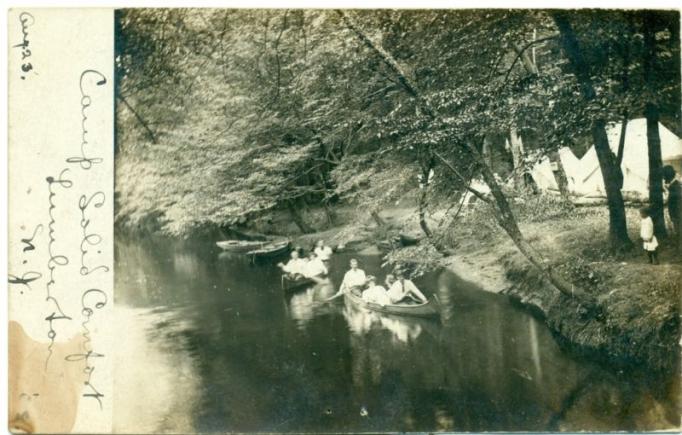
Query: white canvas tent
{"points": [[584, 174]]}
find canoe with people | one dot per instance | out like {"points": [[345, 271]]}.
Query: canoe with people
{"points": [[400, 296], [301, 271]]}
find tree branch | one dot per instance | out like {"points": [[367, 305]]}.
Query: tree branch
{"points": [[521, 50], [467, 184], [139, 118]]}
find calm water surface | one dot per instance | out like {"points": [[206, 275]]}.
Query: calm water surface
{"points": [[213, 344]]}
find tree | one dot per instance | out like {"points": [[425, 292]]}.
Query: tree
{"points": [[503, 212], [607, 160]]}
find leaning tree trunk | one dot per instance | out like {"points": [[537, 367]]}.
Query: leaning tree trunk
{"points": [[505, 218], [652, 134], [618, 234], [561, 178], [503, 213]]}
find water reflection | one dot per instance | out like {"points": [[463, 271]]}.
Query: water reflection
{"points": [[212, 343], [361, 321]]}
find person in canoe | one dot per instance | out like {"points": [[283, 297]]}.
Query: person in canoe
{"points": [[354, 280], [323, 252], [375, 293], [390, 279], [295, 267], [403, 290], [314, 268]]}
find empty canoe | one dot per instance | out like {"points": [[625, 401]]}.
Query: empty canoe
{"points": [[270, 250], [239, 245]]}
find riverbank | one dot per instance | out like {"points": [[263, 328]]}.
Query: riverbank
{"points": [[639, 323]]}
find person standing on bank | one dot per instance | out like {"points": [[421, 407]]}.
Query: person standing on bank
{"points": [[647, 234], [674, 203]]}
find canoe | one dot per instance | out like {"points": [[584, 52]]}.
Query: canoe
{"points": [[270, 250], [426, 309], [292, 284], [239, 245], [401, 240]]}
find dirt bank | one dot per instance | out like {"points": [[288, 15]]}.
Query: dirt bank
{"points": [[639, 321]]}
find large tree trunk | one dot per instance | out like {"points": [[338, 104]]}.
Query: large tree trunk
{"points": [[655, 175], [503, 212], [618, 231], [652, 134], [621, 149], [618, 234]]}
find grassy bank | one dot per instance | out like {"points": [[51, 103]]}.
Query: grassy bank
{"points": [[639, 323]]}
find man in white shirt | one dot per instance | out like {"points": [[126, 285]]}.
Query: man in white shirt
{"points": [[403, 288], [375, 293], [353, 280], [314, 267], [295, 266], [323, 252]]}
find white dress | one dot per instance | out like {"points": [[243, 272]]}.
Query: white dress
{"points": [[314, 268], [376, 294], [647, 234], [324, 253]]}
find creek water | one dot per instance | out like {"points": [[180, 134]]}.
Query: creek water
{"points": [[211, 343]]}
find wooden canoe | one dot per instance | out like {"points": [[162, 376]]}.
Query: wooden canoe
{"points": [[426, 309], [292, 284], [270, 250], [239, 245]]}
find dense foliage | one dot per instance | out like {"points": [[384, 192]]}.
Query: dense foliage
{"points": [[224, 115]]}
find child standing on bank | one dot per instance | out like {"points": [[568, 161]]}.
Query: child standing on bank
{"points": [[647, 235]]}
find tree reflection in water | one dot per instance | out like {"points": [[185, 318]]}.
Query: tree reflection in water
{"points": [[212, 343]]}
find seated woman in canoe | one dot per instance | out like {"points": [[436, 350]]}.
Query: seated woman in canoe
{"points": [[295, 267], [403, 290], [375, 293], [314, 268], [354, 280]]}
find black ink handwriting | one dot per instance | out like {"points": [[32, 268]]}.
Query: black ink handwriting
{"points": [[55, 260], [89, 239], [86, 101], [29, 242], [27, 20], [91, 300]]}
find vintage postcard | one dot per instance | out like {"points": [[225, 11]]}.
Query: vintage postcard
{"points": [[343, 220]]}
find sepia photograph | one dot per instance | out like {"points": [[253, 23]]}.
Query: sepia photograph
{"points": [[345, 220], [398, 220]]}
